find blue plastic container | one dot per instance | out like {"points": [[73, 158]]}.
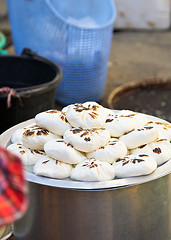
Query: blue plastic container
{"points": [[75, 34]]}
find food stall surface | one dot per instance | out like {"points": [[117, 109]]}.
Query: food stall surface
{"points": [[135, 55]]}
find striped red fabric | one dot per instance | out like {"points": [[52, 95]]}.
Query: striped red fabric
{"points": [[13, 188]]}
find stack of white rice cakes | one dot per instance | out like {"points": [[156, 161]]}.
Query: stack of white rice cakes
{"points": [[88, 142]]}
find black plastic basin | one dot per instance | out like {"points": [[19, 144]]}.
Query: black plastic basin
{"points": [[34, 79]]}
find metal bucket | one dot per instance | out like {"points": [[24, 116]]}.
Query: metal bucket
{"points": [[139, 209]]}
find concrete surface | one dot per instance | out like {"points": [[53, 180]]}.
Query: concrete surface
{"points": [[4, 24], [137, 56]]}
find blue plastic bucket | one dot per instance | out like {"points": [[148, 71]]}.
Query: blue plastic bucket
{"points": [[75, 34]]}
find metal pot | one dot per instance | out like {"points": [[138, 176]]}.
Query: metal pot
{"points": [[137, 212], [135, 209]]}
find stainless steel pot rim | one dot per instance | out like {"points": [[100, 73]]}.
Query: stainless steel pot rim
{"points": [[161, 171]]}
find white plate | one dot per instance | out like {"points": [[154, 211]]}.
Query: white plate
{"points": [[161, 171]]}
